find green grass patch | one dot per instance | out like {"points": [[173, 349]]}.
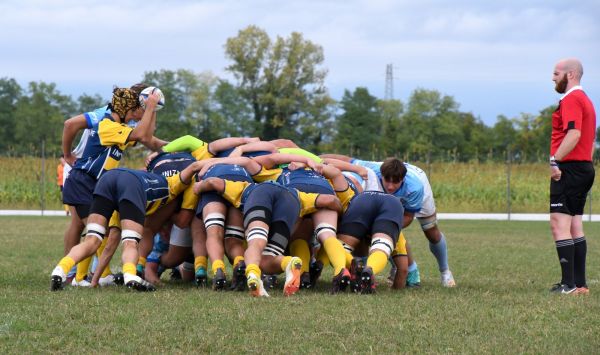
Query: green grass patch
{"points": [[501, 304]]}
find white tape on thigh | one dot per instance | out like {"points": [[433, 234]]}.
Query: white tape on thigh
{"points": [[130, 235], [383, 244], [234, 232], [214, 220], [258, 233], [95, 230], [427, 222], [325, 228]]}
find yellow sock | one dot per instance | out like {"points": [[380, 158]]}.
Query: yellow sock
{"points": [[299, 248], [349, 258], [142, 261], [377, 261], [336, 253], [285, 261], [322, 257], [66, 264], [129, 268], [200, 261], [82, 268], [106, 271], [253, 268], [218, 264], [237, 260]]}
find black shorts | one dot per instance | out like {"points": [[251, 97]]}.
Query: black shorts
{"points": [[213, 196], [372, 212], [568, 194], [78, 188]]}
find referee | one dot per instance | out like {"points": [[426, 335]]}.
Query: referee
{"points": [[572, 174]]}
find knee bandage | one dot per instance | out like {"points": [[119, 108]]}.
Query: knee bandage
{"points": [[325, 228], [383, 244], [187, 266], [428, 222], [234, 232], [95, 230], [130, 235], [214, 220], [257, 214], [257, 233]]}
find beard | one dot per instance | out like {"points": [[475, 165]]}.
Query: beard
{"points": [[561, 86]]}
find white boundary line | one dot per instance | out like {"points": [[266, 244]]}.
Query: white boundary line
{"points": [[442, 216]]}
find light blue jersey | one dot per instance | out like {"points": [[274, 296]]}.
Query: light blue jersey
{"points": [[411, 191]]}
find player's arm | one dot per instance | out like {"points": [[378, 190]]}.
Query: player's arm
{"points": [[255, 146], [112, 243], [210, 184], [346, 166], [330, 202], [336, 156], [272, 160], [334, 175], [407, 218], [222, 144], [144, 131], [70, 129], [156, 144]]}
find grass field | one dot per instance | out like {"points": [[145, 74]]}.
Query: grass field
{"points": [[501, 304]]}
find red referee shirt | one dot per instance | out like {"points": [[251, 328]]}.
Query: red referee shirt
{"points": [[575, 111]]}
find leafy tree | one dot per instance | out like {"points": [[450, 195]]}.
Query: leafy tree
{"points": [[281, 79], [87, 103], [359, 126], [391, 114], [10, 94]]}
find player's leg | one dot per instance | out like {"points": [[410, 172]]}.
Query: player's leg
{"points": [[213, 215], [235, 246], [199, 249]]}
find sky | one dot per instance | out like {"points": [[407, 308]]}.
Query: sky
{"points": [[494, 57]]}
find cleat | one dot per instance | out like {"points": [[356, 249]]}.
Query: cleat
{"points": [[219, 281], [82, 283], [57, 279], [316, 267], [292, 276], [137, 283], [305, 280], [201, 277], [563, 289], [256, 286], [583, 290], [340, 281], [238, 278], [448, 279], [139, 270], [367, 281], [119, 279], [356, 269], [270, 281], [107, 281], [413, 279]]}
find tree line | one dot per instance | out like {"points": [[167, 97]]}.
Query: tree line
{"points": [[278, 91]]}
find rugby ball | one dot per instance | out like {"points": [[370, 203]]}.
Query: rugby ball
{"points": [[149, 90]]}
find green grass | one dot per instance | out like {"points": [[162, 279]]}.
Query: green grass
{"points": [[501, 304]]}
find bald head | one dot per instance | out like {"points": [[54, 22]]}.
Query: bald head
{"points": [[571, 65]]}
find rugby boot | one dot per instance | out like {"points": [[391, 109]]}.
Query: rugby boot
{"points": [[356, 268], [238, 279], [255, 285], [367, 281], [315, 269], [219, 280], [292, 276], [57, 279], [448, 279], [201, 277], [270, 281], [134, 282], [340, 281], [305, 280]]}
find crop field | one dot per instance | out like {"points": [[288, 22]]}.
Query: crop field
{"points": [[501, 304], [457, 187]]}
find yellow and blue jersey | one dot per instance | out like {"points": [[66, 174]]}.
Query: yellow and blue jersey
{"points": [[105, 145]]}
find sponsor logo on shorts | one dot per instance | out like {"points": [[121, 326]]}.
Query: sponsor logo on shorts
{"points": [[556, 204]]}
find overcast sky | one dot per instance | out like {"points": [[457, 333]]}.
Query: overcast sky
{"points": [[493, 57]]}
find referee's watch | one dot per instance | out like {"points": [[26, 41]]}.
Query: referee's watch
{"points": [[553, 161]]}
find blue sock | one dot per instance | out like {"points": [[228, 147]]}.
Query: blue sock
{"points": [[412, 267], [440, 250]]}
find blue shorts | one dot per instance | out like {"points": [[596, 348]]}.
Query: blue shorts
{"points": [[278, 200], [372, 212], [119, 185], [213, 196], [79, 188]]}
